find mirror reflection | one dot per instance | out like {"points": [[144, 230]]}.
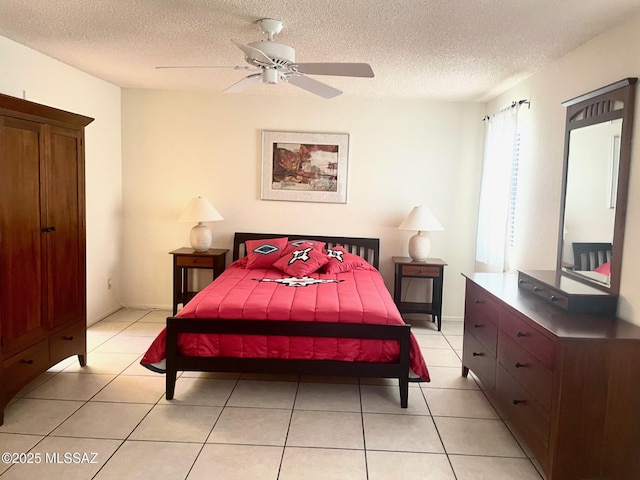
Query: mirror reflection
{"points": [[591, 191]]}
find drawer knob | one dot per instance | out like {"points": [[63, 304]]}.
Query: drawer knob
{"points": [[522, 334], [28, 362], [518, 402], [536, 289], [68, 337], [476, 354], [478, 301], [553, 298], [520, 365], [477, 325], [522, 281]]}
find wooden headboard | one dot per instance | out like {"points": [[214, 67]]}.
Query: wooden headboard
{"points": [[367, 248], [588, 255]]}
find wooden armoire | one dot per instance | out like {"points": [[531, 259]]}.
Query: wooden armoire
{"points": [[42, 241]]}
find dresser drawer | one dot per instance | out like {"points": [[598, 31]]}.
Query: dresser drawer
{"points": [[420, 271], [23, 367], [527, 415], [479, 303], [192, 261], [477, 358], [528, 338], [67, 342], [528, 371]]}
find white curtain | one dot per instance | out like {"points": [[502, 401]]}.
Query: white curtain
{"points": [[493, 214]]}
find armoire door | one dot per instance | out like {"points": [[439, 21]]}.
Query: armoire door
{"points": [[21, 256], [64, 225]]}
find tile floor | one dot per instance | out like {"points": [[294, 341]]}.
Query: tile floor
{"points": [[251, 427]]}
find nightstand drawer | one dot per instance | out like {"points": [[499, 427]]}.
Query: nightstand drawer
{"points": [[420, 271], [194, 261]]}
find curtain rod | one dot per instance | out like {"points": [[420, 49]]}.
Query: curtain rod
{"points": [[513, 105]]}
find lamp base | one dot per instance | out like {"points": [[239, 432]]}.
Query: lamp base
{"points": [[201, 238], [419, 247]]}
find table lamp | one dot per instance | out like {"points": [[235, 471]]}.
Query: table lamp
{"points": [[200, 210], [422, 220]]}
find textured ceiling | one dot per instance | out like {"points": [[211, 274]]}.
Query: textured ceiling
{"points": [[454, 50]]}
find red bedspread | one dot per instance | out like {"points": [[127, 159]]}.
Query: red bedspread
{"points": [[356, 296]]}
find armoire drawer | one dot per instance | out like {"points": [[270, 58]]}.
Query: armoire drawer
{"points": [[68, 341], [526, 369], [478, 359], [23, 367], [528, 338], [521, 407]]}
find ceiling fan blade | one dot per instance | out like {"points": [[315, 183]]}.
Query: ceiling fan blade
{"points": [[205, 66], [337, 69], [313, 86], [254, 53], [243, 84]]}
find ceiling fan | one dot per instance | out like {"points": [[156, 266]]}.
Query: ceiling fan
{"points": [[272, 60]]}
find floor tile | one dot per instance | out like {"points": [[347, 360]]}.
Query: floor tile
{"points": [[157, 316], [458, 403], [128, 315], [250, 393], [36, 382], [492, 468], [470, 436], [449, 377], [109, 328], [138, 370], [431, 341], [94, 340], [177, 424], [103, 420], [125, 344], [455, 341], [379, 399], [143, 329], [452, 328], [406, 433], [328, 396], [200, 391], [16, 443], [440, 357], [39, 417], [65, 459], [162, 460], [71, 386], [322, 464], [325, 429], [237, 462], [328, 379], [251, 426], [103, 363], [132, 389], [406, 466]]}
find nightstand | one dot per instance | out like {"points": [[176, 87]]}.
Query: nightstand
{"points": [[433, 268], [186, 258]]}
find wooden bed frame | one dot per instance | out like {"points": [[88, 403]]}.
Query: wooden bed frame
{"points": [[369, 249], [589, 255]]}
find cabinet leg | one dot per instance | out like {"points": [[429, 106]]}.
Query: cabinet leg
{"points": [[82, 359], [465, 371]]}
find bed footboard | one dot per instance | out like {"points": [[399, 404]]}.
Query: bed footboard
{"points": [[176, 362]]}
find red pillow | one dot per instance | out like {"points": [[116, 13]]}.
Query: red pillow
{"points": [[342, 261], [299, 244], [263, 253], [301, 262], [604, 269]]}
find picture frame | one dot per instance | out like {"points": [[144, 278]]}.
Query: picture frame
{"points": [[305, 167]]}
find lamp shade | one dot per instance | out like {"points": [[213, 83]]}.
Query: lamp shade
{"points": [[200, 209], [422, 220]]}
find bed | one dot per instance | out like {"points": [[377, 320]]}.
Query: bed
{"points": [[257, 318]]}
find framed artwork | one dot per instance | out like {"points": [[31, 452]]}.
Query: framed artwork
{"points": [[305, 167]]}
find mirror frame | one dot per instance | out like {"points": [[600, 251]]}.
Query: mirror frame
{"points": [[604, 104]]}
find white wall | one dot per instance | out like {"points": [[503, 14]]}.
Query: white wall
{"points": [[177, 145], [41, 79], [606, 59]]}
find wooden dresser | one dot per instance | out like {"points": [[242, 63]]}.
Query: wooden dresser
{"points": [[42, 241], [568, 383]]}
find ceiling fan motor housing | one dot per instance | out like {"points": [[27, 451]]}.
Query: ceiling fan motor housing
{"points": [[281, 54]]}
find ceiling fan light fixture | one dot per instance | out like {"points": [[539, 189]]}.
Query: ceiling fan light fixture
{"points": [[270, 75]]}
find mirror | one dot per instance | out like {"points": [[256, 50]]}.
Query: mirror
{"points": [[595, 184]]}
